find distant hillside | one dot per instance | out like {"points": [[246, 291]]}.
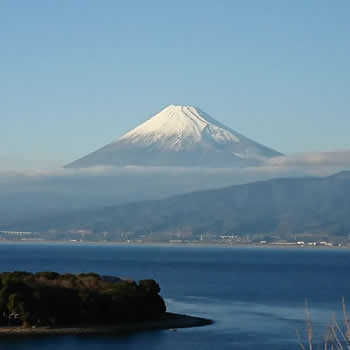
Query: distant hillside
{"points": [[283, 206]]}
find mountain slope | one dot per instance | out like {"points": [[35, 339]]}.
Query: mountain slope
{"points": [[179, 136], [283, 206]]}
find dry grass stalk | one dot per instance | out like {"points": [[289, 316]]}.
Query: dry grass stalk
{"points": [[308, 325], [336, 337], [300, 341]]}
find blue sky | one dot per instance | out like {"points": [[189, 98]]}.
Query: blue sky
{"points": [[75, 75]]}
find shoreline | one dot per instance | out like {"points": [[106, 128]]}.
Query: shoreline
{"points": [[170, 321], [165, 244]]}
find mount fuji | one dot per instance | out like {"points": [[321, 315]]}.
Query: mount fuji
{"points": [[179, 136]]}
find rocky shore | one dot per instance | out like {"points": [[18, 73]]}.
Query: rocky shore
{"points": [[168, 321]]}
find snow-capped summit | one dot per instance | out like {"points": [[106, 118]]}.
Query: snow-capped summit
{"points": [[179, 127], [179, 136]]}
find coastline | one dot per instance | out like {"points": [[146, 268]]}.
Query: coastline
{"points": [[165, 244], [168, 321]]}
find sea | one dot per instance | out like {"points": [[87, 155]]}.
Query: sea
{"points": [[257, 297]]}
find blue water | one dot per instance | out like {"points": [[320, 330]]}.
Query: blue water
{"points": [[255, 296]]}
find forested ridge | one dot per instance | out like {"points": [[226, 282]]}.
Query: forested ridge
{"points": [[278, 206]]}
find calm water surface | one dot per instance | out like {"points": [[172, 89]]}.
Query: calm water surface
{"points": [[255, 296]]}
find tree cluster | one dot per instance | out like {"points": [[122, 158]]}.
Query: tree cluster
{"points": [[51, 299]]}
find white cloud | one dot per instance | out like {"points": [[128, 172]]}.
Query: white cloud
{"points": [[315, 159], [303, 164]]}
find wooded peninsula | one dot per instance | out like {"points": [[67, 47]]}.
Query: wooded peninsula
{"points": [[51, 299]]}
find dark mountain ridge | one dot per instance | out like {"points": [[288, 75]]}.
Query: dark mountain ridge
{"points": [[279, 206]]}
